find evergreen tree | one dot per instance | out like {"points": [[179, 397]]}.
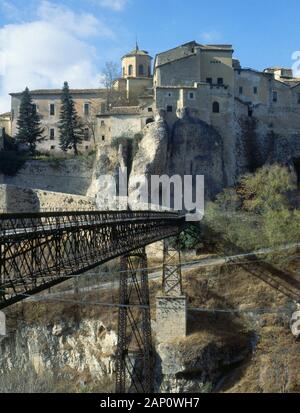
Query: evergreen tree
{"points": [[29, 128], [70, 127]]}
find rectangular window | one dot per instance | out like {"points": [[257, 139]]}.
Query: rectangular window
{"points": [[103, 137], [52, 148], [102, 123], [275, 97], [150, 110], [191, 95], [255, 90], [220, 81], [241, 90], [209, 80], [86, 109], [86, 134], [52, 134], [52, 109], [298, 98], [169, 108]]}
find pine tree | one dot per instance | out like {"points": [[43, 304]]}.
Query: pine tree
{"points": [[30, 131], [70, 127]]}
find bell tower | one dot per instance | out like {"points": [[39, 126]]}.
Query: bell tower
{"points": [[136, 64]]}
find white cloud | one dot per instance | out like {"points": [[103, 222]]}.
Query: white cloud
{"points": [[81, 25], [210, 36], [46, 52], [116, 5]]}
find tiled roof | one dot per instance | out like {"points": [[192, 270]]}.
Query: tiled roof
{"points": [[59, 91], [123, 110], [137, 52], [5, 115]]}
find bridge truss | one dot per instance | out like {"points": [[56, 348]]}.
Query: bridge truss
{"points": [[40, 250]]}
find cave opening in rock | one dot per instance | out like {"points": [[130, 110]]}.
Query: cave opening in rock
{"points": [[296, 162]]}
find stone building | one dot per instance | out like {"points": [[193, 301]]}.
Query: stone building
{"points": [[136, 79], [5, 123], [257, 114], [88, 103]]}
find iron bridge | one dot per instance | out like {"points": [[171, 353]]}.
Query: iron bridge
{"points": [[40, 250]]}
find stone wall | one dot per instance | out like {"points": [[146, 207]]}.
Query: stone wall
{"points": [[171, 318], [14, 199], [71, 176]]}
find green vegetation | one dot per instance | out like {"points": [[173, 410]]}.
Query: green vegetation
{"points": [[11, 162], [70, 127], [29, 129], [260, 212], [190, 239]]}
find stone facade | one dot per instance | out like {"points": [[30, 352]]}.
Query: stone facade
{"points": [[5, 123], [204, 81], [88, 103], [213, 86]]}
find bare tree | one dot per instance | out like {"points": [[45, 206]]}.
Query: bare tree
{"points": [[111, 73], [90, 121]]}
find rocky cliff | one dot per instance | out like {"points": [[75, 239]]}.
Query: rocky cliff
{"points": [[62, 356], [238, 341], [195, 148]]}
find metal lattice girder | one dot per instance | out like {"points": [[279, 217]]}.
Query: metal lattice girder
{"points": [[40, 250], [172, 276], [135, 357]]}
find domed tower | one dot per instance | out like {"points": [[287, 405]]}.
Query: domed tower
{"points": [[136, 64]]}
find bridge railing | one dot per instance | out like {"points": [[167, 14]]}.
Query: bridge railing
{"points": [[39, 250], [18, 224]]}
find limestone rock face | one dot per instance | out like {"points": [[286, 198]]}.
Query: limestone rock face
{"points": [[258, 145], [150, 159], [61, 356], [188, 367], [104, 182], [195, 148], [192, 148]]}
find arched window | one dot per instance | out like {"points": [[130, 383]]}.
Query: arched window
{"points": [[149, 120], [216, 107], [141, 70], [130, 70]]}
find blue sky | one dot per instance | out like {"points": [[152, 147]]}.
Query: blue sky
{"points": [[43, 43]]}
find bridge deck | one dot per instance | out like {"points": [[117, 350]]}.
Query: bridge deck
{"points": [[43, 249]]}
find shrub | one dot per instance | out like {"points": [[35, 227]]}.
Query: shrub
{"points": [[258, 213], [11, 162]]}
